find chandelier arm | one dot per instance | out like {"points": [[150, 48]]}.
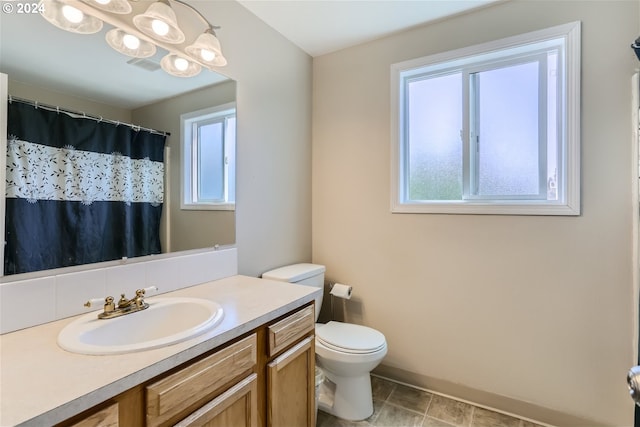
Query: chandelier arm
{"points": [[211, 28]]}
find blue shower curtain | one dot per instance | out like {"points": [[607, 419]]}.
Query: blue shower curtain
{"points": [[79, 190]]}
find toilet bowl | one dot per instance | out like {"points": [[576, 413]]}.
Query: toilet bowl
{"points": [[346, 353]]}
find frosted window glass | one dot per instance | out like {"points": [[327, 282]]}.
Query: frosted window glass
{"points": [[492, 128], [230, 148], [211, 158], [434, 143], [508, 153], [552, 126]]}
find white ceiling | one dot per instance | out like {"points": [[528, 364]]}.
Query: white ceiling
{"points": [[323, 26], [35, 52]]}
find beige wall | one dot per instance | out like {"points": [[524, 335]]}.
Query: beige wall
{"points": [[534, 309]]}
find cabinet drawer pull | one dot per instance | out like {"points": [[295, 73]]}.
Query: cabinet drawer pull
{"points": [[165, 398], [290, 329]]}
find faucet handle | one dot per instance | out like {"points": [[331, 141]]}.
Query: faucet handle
{"points": [[149, 289], [140, 293], [94, 301], [108, 306]]}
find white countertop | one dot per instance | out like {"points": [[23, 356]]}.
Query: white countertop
{"points": [[41, 384]]}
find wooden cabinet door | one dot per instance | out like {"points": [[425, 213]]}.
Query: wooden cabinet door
{"points": [[237, 407], [291, 388]]}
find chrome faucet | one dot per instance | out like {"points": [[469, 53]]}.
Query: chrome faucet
{"points": [[125, 306]]}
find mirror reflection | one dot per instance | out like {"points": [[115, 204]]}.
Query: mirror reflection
{"points": [[83, 74]]}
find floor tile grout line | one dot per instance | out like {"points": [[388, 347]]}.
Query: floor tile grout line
{"points": [[424, 415], [422, 419], [426, 411], [457, 399], [387, 401], [413, 411]]}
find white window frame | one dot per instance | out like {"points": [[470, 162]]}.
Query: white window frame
{"points": [[188, 192], [568, 202]]}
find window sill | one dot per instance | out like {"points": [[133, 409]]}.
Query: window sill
{"points": [[208, 207], [484, 208]]}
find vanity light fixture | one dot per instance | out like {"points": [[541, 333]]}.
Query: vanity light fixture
{"points": [[207, 49], [69, 18], [160, 23], [129, 44], [179, 66], [142, 26]]}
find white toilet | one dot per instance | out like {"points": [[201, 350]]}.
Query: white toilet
{"points": [[345, 352]]}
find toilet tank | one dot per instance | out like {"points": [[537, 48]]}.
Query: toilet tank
{"points": [[302, 274]]}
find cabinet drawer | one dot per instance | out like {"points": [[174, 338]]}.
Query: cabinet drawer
{"points": [[291, 329], [170, 395]]}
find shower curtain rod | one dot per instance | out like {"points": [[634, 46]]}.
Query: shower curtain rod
{"points": [[84, 115]]}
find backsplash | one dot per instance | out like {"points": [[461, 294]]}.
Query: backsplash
{"points": [[35, 301]]}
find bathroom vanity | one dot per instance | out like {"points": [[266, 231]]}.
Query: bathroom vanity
{"points": [[255, 368]]}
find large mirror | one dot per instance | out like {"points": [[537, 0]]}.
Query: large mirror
{"points": [[82, 73]]}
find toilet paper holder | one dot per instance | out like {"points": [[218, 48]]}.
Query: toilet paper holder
{"points": [[338, 290], [341, 291]]}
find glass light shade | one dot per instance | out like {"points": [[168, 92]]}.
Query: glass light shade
{"points": [[159, 16], [206, 49], [179, 66], [113, 6], [69, 18], [129, 44]]}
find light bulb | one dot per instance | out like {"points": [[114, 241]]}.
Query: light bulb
{"points": [[207, 55], [72, 14], [181, 64], [159, 27], [130, 41]]}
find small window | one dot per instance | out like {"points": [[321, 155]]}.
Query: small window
{"points": [[490, 129], [209, 158]]}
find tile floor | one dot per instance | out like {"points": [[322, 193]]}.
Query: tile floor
{"points": [[397, 405]]}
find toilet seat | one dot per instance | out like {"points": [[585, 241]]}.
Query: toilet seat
{"points": [[350, 338]]}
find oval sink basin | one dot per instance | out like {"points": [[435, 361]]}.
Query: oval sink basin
{"points": [[167, 321]]}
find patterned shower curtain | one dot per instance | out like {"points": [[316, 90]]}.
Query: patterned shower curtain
{"points": [[79, 190]]}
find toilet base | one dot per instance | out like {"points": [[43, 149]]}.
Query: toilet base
{"points": [[352, 399]]}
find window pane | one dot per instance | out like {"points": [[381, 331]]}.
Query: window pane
{"points": [[552, 126], [434, 146], [500, 137], [231, 158], [508, 154], [211, 162]]}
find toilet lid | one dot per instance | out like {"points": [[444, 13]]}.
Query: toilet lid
{"points": [[350, 338]]}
